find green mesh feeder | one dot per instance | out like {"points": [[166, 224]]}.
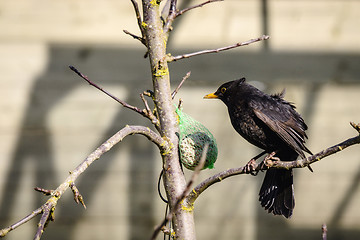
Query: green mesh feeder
{"points": [[193, 137]]}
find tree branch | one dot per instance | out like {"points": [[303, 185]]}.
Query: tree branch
{"points": [[181, 198], [324, 232], [44, 191], [48, 208], [136, 109], [178, 13], [139, 21], [143, 112], [47, 215], [141, 39], [149, 113], [173, 13], [171, 16], [239, 44], [5, 231], [174, 179], [301, 163], [180, 84], [77, 196]]}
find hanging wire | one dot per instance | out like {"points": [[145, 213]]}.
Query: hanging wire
{"points": [[166, 201], [159, 190]]}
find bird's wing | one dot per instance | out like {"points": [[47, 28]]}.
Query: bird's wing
{"points": [[286, 127]]}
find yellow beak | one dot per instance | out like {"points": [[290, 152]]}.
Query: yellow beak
{"points": [[211, 95]]}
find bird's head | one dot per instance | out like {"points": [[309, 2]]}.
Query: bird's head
{"points": [[226, 90]]}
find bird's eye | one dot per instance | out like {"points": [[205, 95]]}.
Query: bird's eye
{"points": [[223, 90]]}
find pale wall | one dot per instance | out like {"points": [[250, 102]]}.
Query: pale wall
{"points": [[50, 119]]}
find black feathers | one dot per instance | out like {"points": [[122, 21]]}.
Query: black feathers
{"points": [[270, 123]]}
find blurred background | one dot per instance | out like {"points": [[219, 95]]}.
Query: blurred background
{"points": [[51, 119]]}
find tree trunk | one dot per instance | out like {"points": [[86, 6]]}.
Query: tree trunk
{"points": [[174, 180]]}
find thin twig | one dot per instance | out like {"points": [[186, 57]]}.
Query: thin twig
{"points": [[48, 208], [240, 44], [5, 231], [182, 197], [171, 16], [149, 113], [77, 196], [44, 191], [355, 126], [195, 6], [173, 13], [180, 104], [145, 102], [172, 8], [139, 20], [274, 164], [197, 170], [180, 84], [47, 215], [141, 39], [314, 158], [149, 93], [324, 231], [126, 105]]}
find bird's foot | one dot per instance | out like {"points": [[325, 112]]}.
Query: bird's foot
{"points": [[270, 159], [250, 167]]}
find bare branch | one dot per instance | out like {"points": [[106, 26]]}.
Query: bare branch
{"points": [[240, 44], [355, 126], [180, 84], [197, 169], [77, 196], [123, 103], [180, 104], [314, 158], [141, 39], [181, 198], [149, 113], [145, 102], [173, 178], [172, 9], [5, 231], [196, 6], [46, 192], [139, 21], [47, 215], [171, 16], [324, 231], [173, 13], [48, 208], [274, 164]]}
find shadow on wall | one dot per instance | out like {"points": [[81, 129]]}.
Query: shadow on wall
{"points": [[127, 68]]}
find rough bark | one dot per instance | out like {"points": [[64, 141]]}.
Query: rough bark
{"points": [[174, 180]]}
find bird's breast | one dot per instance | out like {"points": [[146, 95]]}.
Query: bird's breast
{"points": [[248, 126]]}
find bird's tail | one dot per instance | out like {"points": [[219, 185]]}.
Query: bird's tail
{"points": [[277, 192]]}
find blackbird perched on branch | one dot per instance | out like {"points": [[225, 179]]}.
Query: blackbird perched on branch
{"points": [[272, 124]]}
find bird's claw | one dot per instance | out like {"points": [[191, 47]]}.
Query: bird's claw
{"points": [[270, 159], [250, 167]]}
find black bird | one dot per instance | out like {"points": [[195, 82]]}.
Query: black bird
{"points": [[272, 124]]}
